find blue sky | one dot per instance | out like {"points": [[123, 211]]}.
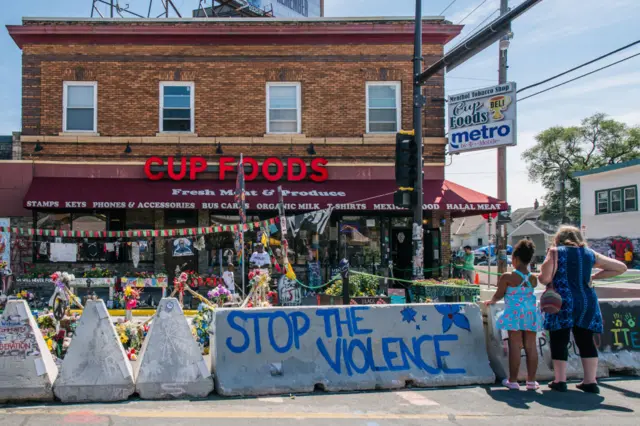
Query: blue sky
{"points": [[553, 36]]}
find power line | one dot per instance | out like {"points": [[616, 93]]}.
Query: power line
{"points": [[581, 76], [580, 66], [471, 78], [447, 8], [472, 12], [485, 20]]}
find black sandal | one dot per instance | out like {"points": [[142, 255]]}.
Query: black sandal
{"points": [[558, 387], [589, 388]]}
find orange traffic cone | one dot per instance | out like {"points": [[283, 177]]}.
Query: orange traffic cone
{"points": [[477, 280]]}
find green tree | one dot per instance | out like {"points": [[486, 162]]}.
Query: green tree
{"points": [[560, 151]]}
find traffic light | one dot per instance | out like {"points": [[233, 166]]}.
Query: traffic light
{"points": [[406, 159]]}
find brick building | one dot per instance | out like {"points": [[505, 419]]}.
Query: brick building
{"points": [[112, 107]]}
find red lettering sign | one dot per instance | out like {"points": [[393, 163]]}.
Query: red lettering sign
{"points": [[319, 167], [272, 169], [157, 161]]}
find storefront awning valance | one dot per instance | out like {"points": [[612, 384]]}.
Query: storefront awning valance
{"points": [[354, 195]]}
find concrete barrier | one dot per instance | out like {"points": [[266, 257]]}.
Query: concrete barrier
{"points": [[95, 368], [619, 344], [27, 369], [171, 364], [282, 350], [498, 350]]}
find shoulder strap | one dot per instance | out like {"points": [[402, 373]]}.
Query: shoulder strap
{"points": [[554, 257], [525, 278]]}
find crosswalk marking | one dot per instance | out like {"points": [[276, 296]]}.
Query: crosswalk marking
{"points": [[416, 398]]}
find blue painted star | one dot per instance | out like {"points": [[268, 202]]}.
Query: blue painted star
{"points": [[408, 315], [418, 327], [424, 318]]}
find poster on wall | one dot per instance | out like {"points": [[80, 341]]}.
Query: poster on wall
{"points": [[182, 247], [483, 119], [5, 245]]}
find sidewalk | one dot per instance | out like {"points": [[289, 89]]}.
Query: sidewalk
{"points": [[618, 404]]}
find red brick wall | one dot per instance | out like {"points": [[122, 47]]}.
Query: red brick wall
{"points": [[229, 85]]}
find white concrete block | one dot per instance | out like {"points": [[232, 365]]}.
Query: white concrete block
{"points": [[346, 348], [95, 368], [170, 363], [27, 369]]}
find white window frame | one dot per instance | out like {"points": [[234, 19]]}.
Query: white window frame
{"points": [[634, 190], [192, 104], [65, 88], [398, 86], [298, 87], [608, 209], [621, 200]]}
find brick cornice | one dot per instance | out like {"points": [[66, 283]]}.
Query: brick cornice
{"points": [[214, 32]]}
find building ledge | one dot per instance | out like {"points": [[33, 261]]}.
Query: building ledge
{"points": [[194, 139]]}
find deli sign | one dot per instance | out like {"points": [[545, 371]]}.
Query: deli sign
{"points": [[272, 169], [483, 119]]}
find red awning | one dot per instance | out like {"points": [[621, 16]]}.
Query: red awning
{"points": [[353, 195]]}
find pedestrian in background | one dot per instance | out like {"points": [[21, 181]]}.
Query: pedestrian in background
{"points": [[568, 268], [628, 256], [521, 317], [469, 264]]}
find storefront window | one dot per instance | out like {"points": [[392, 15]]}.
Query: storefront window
{"points": [[224, 246], [93, 250], [59, 221], [360, 241], [141, 219]]}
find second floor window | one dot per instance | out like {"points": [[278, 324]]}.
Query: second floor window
{"points": [[383, 107], [176, 107], [80, 106], [283, 108]]}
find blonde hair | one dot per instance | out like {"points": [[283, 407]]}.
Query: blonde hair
{"points": [[569, 236]]}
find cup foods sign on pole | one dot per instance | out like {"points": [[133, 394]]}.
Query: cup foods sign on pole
{"points": [[483, 119]]}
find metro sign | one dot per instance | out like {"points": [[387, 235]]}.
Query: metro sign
{"points": [[184, 168]]}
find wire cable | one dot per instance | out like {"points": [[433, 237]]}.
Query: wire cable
{"points": [[579, 77], [447, 8], [485, 20], [580, 66], [472, 12]]}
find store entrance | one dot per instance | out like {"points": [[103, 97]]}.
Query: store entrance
{"points": [[179, 251], [401, 253]]}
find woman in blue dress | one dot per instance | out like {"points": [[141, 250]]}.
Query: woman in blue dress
{"points": [[568, 268]]}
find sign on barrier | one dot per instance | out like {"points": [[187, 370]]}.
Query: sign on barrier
{"points": [[348, 348]]}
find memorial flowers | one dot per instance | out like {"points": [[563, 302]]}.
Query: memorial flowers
{"points": [[130, 297], [131, 336], [98, 273], [219, 295], [200, 327], [26, 295]]}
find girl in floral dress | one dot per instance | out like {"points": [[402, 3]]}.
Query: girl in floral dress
{"points": [[521, 317]]}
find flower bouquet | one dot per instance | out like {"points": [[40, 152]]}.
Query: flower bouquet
{"points": [[26, 295], [219, 295], [131, 336], [259, 281], [130, 296], [200, 327]]}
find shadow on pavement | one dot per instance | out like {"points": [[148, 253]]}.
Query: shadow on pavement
{"points": [[569, 401], [625, 392]]}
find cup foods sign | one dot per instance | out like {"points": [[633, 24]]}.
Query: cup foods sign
{"points": [[483, 119]]}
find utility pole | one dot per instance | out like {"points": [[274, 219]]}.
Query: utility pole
{"points": [[501, 244], [418, 104]]}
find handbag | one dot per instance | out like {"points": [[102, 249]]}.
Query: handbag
{"points": [[550, 300]]}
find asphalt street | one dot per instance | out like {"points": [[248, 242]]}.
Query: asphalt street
{"points": [[618, 404]]}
